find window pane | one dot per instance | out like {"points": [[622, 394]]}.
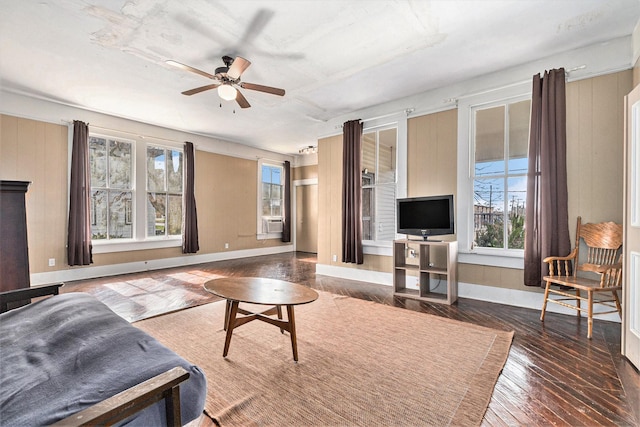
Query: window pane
{"points": [[266, 207], [368, 219], [98, 162], [175, 215], [276, 207], [489, 143], [119, 213], [276, 191], [120, 164], [385, 212], [519, 113], [387, 156], [488, 209], [516, 208], [156, 168], [98, 214], [369, 153], [174, 171], [156, 214]]}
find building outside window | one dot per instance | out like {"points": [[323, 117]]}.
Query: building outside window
{"points": [[379, 152], [501, 135]]}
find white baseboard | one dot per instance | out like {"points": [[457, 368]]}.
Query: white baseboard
{"points": [[514, 297], [89, 272]]}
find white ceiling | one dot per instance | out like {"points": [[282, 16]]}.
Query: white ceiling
{"points": [[332, 57]]}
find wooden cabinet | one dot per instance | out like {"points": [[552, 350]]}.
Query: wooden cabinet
{"points": [[431, 265], [14, 250]]}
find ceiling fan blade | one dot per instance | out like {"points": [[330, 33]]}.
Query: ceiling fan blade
{"points": [[237, 67], [260, 88], [241, 100], [189, 68], [200, 89]]}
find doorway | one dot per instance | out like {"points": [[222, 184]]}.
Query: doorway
{"points": [[306, 216]]}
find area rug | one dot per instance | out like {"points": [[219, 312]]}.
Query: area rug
{"points": [[360, 364]]}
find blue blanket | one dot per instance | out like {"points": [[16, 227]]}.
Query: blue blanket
{"points": [[66, 353]]}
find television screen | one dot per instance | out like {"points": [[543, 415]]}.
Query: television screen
{"points": [[425, 216]]}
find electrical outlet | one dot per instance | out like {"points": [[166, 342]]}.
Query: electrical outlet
{"points": [[226, 246], [335, 258], [52, 262]]}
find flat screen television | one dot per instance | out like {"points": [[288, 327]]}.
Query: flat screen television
{"points": [[425, 216]]}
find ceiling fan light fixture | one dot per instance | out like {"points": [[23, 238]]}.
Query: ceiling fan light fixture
{"points": [[227, 92]]}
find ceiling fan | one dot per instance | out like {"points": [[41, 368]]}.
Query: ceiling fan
{"points": [[227, 79]]}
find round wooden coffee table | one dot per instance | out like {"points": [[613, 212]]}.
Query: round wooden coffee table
{"points": [[256, 290]]}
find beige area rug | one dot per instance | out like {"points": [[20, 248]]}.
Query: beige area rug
{"points": [[360, 364]]}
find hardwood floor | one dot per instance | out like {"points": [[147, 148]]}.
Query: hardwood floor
{"points": [[554, 375]]}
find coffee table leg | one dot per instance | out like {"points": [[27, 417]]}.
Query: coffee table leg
{"points": [[226, 314], [231, 324], [292, 326], [279, 308]]}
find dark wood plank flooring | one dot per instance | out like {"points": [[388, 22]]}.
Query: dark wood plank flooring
{"points": [[554, 375]]}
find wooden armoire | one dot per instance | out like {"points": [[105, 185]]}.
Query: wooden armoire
{"points": [[14, 250]]}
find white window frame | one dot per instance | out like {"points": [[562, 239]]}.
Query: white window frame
{"points": [[139, 194], [261, 234], [468, 254], [375, 185]]}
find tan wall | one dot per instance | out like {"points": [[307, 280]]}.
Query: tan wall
{"points": [[432, 146], [595, 166], [636, 73], [305, 172], [595, 146], [37, 152], [226, 197]]}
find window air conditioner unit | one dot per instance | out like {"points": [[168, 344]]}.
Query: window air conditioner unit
{"points": [[273, 225]]}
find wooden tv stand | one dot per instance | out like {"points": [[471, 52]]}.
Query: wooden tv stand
{"points": [[434, 263]]}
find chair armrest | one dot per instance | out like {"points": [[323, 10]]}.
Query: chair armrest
{"points": [[23, 294], [560, 265], [569, 257], [130, 401]]}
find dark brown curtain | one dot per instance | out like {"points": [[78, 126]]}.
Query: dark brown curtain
{"points": [[546, 222], [79, 232], [352, 192], [286, 217], [190, 232]]}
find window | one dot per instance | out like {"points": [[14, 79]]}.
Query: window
{"points": [[120, 213], [111, 163], [164, 192], [501, 135], [270, 203], [379, 152]]}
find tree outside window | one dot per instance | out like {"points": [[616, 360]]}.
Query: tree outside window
{"points": [[111, 166], [164, 191]]}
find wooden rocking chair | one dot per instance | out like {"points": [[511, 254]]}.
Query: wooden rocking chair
{"points": [[603, 241]]}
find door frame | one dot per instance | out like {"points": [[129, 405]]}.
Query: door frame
{"points": [[294, 212], [630, 345]]}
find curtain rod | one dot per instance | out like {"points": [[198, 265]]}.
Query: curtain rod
{"points": [[130, 133], [407, 111]]}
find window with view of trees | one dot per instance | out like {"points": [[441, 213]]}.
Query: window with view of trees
{"points": [[111, 163], [114, 199], [501, 135], [164, 191], [379, 151]]}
